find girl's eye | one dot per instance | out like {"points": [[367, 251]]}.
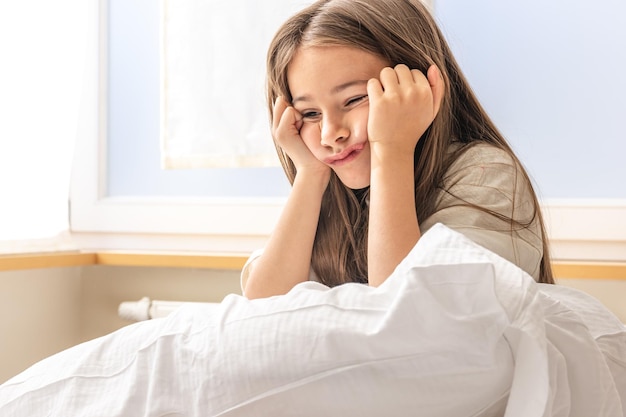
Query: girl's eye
{"points": [[356, 100], [310, 115]]}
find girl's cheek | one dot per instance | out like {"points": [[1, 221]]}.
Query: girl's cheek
{"points": [[359, 129]]}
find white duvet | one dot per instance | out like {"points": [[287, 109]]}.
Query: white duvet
{"points": [[454, 331]]}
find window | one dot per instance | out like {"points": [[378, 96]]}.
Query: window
{"points": [[162, 222], [107, 214]]}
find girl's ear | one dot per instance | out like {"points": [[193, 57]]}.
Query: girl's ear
{"points": [[435, 79]]}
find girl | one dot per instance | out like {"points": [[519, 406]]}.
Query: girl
{"points": [[381, 137]]}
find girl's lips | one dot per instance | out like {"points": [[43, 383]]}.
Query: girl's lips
{"points": [[345, 156]]}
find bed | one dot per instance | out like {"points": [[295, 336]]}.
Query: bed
{"points": [[454, 331]]}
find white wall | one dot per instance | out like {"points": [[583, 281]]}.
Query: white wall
{"points": [[44, 311], [611, 292], [105, 287], [39, 315]]}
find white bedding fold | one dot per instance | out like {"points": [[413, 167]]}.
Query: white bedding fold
{"points": [[454, 331]]}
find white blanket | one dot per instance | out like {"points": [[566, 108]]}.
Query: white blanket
{"points": [[454, 331]]}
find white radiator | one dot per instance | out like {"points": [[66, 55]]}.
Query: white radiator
{"points": [[146, 309]]}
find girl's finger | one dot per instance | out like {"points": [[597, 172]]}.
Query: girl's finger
{"points": [[405, 75], [374, 88], [292, 117], [280, 105], [388, 78], [418, 76]]}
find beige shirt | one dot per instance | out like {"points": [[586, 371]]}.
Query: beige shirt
{"points": [[487, 177]]}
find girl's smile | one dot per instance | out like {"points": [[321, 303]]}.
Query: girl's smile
{"points": [[346, 155], [329, 89]]}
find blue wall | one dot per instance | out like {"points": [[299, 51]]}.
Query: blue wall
{"points": [[549, 73]]}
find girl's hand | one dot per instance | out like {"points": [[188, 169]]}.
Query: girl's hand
{"points": [[403, 104], [286, 125]]}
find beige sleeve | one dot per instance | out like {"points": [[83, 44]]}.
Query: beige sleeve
{"points": [[245, 271], [488, 177]]}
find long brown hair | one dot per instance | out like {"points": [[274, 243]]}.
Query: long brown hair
{"points": [[400, 31]]}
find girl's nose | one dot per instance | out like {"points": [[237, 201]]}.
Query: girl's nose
{"points": [[332, 131]]}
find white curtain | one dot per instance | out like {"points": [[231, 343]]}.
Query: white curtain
{"points": [[213, 111], [42, 45]]}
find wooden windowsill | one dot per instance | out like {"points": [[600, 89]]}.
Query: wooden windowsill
{"points": [[590, 270], [46, 260], [114, 258], [174, 260], [228, 261]]}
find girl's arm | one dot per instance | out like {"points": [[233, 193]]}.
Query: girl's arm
{"points": [[393, 225], [286, 260], [402, 106]]}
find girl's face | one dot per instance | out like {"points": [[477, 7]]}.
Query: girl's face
{"points": [[329, 89]]}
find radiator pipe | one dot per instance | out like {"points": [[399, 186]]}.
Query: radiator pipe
{"points": [[146, 309]]}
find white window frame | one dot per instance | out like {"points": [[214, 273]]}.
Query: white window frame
{"points": [[579, 229], [137, 223]]}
